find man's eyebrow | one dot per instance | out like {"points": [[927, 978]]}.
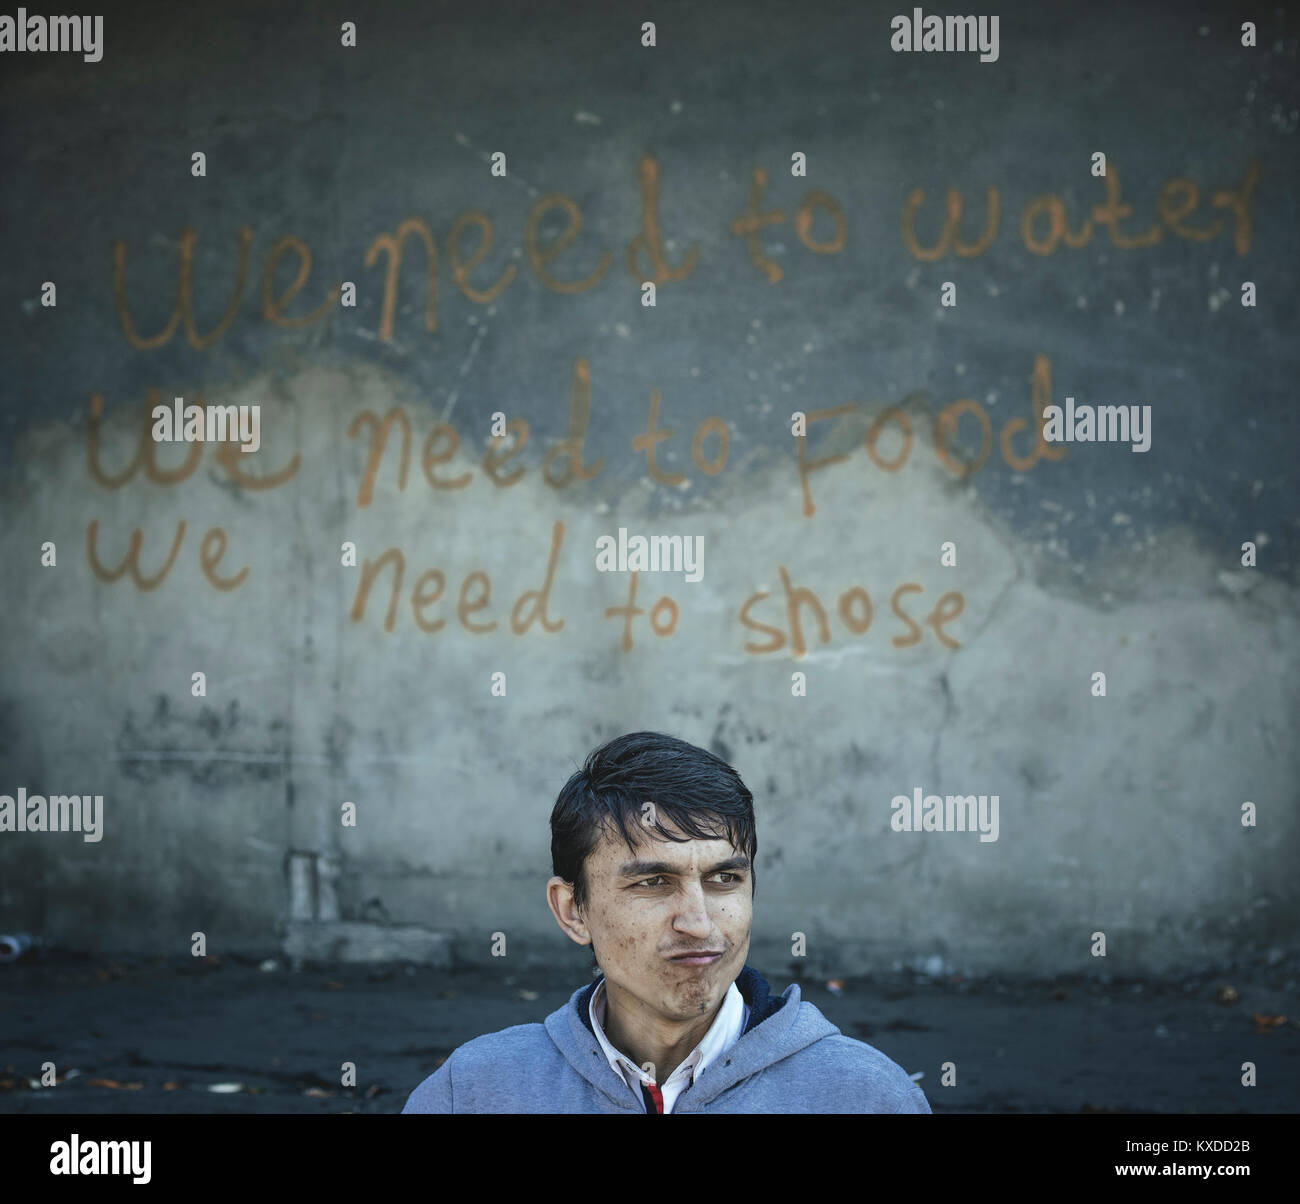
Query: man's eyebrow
{"points": [[636, 869]]}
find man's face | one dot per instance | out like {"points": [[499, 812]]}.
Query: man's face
{"points": [[646, 909]]}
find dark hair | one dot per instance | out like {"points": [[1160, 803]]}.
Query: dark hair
{"points": [[700, 794]]}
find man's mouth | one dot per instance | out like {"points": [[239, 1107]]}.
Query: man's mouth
{"points": [[705, 957]]}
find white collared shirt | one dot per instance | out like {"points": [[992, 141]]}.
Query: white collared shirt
{"points": [[724, 1032]]}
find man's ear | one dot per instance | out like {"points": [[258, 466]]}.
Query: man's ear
{"points": [[559, 897]]}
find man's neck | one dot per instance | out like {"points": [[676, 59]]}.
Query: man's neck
{"points": [[645, 1038]]}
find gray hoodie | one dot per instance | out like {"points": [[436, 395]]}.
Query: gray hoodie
{"points": [[790, 1058]]}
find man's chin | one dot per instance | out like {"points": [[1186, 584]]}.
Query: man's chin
{"points": [[691, 985]]}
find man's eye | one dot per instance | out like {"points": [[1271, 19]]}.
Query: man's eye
{"points": [[651, 881]]}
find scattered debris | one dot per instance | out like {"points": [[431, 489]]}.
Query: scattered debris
{"points": [[1266, 1023], [13, 945]]}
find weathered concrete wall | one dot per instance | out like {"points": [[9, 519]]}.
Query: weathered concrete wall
{"points": [[1119, 814]]}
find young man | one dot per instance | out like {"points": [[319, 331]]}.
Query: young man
{"points": [[653, 844]]}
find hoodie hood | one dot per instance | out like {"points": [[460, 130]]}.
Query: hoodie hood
{"points": [[778, 1026]]}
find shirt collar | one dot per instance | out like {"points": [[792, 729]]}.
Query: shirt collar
{"points": [[725, 1030]]}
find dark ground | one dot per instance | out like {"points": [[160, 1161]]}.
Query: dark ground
{"points": [[154, 1035]]}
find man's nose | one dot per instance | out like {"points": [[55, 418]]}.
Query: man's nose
{"points": [[693, 912]]}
